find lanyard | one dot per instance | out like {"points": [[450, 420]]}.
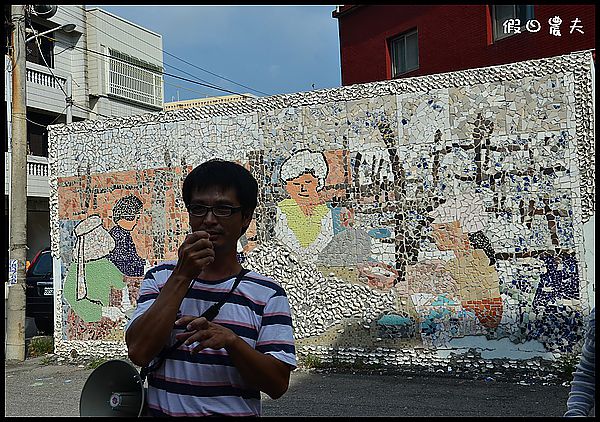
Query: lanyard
{"points": [[209, 314]]}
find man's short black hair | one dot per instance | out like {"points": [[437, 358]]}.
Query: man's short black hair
{"points": [[225, 175]]}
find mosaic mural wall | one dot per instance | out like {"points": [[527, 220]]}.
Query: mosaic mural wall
{"points": [[409, 221]]}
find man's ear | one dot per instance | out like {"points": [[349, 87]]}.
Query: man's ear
{"points": [[246, 220]]}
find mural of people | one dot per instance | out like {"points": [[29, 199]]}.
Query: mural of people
{"points": [[126, 213], [304, 221], [458, 227], [91, 277]]}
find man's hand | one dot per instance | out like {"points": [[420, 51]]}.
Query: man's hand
{"points": [[261, 371], [206, 333], [195, 253]]}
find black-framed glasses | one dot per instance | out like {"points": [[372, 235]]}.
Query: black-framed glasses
{"points": [[198, 210]]}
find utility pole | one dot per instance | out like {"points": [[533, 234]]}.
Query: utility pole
{"points": [[15, 331]]}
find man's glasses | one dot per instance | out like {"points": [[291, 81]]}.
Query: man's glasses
{"points": [[198, 210]]}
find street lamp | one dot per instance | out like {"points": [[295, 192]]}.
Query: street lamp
{"points": [[67, 27]]}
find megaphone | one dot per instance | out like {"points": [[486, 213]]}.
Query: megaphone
{"points": [[115, 388]]}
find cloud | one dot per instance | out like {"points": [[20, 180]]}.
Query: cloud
{"points": [[275, 49]]}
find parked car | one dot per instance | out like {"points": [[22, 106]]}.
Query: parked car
{"points": [[39, 303]]}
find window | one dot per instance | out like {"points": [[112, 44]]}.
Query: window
{"points": [[404, 51], [502, 13], [134, 80]]}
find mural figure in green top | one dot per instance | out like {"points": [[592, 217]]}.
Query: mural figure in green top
{"points": [[91, 276], [304, 221]]}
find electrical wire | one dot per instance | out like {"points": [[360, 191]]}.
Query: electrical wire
{"points": [[187, 89], [184, 61], [90, 110], [164, 73], [68, 98], [208, 85], [39, 46], [49, 124], [169, 54], [99, 30]]}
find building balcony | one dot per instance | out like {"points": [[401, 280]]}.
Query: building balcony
{"points": [[46, 89], [37, 176]]}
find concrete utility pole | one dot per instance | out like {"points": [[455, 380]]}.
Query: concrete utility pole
{"points": [[15, 331]]}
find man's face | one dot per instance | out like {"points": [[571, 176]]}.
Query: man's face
{"points": [[224, 231]]}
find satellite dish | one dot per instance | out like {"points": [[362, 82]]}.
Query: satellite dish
{"points": [[44, 10]]}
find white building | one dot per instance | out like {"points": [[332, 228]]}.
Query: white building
{"points": [[199, 102], [109, 67]]}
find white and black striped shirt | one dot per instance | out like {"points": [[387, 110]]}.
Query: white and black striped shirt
{"points": [[207, 383]]}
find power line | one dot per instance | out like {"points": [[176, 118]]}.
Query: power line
{"points": [[191, 64], [68, 98], [138, 50], [215, 87], [49, 124], [169, 54], [186, 88], [163, 72], [115, 58]]}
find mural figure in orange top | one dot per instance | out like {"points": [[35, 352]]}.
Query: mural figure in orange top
{"points": [[458, 226]]}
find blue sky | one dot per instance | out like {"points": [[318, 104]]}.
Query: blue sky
{"points": [[272, 49]]}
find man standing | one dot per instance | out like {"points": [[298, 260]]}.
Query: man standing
{"points": [[224, 364], [582, 396]]}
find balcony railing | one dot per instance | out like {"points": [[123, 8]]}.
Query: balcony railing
{"points": [[45, 79], [37, 176]]}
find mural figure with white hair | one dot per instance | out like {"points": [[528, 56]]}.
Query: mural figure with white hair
{"points": [[458, 226], [304, 221]]}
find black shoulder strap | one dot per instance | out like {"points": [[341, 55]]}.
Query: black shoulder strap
{"points": [[209, 314], [212, 312]]}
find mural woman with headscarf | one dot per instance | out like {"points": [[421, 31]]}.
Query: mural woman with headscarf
{"points": [[304, 221]]}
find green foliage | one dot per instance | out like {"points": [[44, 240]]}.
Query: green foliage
{"points": [[567, 364], [47, 360], [312, 361], [359, 364], [39, 346], [95, 362]]}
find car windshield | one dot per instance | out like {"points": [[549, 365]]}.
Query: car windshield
{"points": [[43, 265]]}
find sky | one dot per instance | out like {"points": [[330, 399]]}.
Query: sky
{"points": [[270, 49]]}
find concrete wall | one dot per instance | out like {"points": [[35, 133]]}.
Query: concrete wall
{"points": [[444, 225]]}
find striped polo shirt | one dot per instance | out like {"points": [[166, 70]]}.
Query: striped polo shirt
{"points": [[207, 383]]}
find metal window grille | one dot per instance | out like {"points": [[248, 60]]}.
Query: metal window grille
{"points": [[134, 81]]}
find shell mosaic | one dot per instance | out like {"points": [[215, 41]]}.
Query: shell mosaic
{"points": [[422, 222]]}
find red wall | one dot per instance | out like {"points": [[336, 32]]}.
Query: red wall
{"points": [[451, 37]]}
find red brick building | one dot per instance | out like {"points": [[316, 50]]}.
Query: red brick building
{"points": [[380, 42]]}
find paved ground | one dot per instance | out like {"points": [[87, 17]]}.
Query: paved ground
{"points": [[34, 389]]}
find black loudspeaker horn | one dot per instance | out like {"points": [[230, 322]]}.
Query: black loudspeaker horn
{"points": [[115, 388]]}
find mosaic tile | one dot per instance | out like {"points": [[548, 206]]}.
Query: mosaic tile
{"points": [[441, 209]]}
